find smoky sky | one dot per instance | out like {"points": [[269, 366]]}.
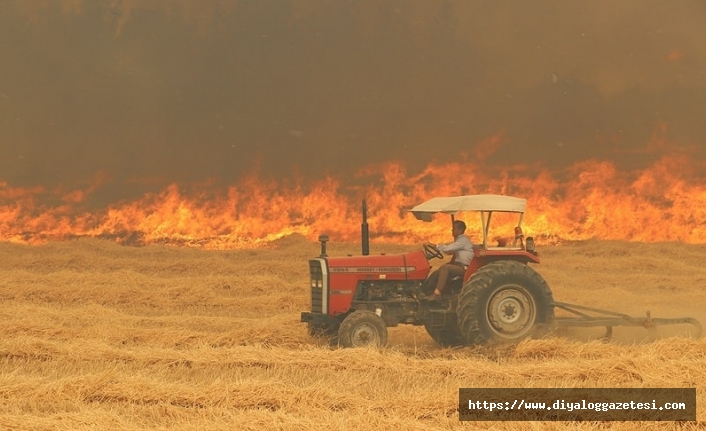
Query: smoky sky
{"points": [[191, 90]]}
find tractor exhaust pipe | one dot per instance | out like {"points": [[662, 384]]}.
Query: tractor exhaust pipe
{"points": [[323, 239], [364, 231]]}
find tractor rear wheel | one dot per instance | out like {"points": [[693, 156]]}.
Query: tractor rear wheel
{"points": [[504, 301], [362, 328]]}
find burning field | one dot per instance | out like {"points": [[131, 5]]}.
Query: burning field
{"points": [[665, 201], [99, 335], [167, 166], [180, 308]]}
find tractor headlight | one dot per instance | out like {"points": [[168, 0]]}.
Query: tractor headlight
{"points": [[317, 276]]}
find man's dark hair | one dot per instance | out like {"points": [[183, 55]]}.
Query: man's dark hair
{"points": [[459, 224]]}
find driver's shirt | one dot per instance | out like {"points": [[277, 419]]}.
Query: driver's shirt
{"points": [[462, 248]]}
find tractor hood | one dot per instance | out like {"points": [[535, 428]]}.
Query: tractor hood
{"points": [[407, 266]]}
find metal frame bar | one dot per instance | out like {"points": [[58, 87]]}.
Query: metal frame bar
{"points": [[611, 318]]}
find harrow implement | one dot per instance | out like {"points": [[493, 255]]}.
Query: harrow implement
{"points": [[595, 317]]}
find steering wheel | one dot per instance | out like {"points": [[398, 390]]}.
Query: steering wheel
{"points": [[431, 251]]}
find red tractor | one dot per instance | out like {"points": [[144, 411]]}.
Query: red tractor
{"points": [[500, 297]]}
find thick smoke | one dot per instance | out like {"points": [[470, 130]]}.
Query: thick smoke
{"points": [[148, 92]]}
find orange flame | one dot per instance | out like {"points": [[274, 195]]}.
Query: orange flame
{"points": [[591, 199]]}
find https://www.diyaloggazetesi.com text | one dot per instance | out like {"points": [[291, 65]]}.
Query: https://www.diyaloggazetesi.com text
{"points": [[561, 404]]}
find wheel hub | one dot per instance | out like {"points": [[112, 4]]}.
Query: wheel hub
{"points": [[364, 334], [511, 312]]}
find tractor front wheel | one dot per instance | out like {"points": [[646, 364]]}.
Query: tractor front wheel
{"points": [[504, 301], [362, 328]]}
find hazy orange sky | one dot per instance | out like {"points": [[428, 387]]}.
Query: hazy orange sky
{"points": [[188, 90]]}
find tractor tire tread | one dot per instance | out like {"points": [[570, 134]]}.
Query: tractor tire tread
{"points": [[470, 315]]}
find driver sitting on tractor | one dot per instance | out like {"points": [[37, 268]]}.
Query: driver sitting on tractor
{"points": [[462, 250]]}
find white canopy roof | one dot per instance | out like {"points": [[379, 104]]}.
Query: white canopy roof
{"points": [[455, 204]]}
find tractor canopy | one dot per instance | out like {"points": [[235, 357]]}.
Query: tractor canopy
{"points": [[456, 204], [486, 205]]}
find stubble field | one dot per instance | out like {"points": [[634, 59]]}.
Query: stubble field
{"points": [[102, 336]]}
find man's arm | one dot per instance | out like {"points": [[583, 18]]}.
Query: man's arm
{"points": [[461, 243], [450, 248]]}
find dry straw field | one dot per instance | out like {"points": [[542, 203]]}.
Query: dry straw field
{"points": [[102, 336]]}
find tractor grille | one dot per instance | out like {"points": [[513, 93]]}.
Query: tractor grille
{"points": [[319, 285]]}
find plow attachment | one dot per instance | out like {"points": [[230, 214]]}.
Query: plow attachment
{"points": [[594, 317]]}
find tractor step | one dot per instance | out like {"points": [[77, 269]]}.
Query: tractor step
{"points": [[440, 318]]}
